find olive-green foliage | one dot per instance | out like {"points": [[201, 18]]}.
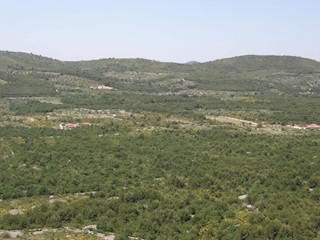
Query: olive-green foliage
{"points": [[151, 175], [164, 184], [32, 107]]}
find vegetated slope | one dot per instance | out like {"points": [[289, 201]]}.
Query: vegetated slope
{"points": [[244, 73], [165, 183], [140, 84], [273, 64], [160, 169], [257, 73], [22, 74], [25, 61]]}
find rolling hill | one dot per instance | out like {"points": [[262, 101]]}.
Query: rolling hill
{"points": [[245, 73], [140, 149]]}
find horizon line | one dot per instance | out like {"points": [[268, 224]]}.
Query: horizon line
{"points": [[149, 59]]}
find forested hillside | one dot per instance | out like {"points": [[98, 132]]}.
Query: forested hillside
{"points": [[140, 149]]}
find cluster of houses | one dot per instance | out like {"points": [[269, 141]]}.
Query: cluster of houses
{"points": [[312, 126], [103, 87], [69, 126]]}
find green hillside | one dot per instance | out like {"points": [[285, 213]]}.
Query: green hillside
{"points": [[253, 63], [25, 61], [245, 73], [140, 149], [139, 84]]}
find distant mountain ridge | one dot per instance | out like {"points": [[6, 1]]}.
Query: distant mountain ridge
{"points": [[263, 62], [28, 60], [239, 63], [24, 74], [192, 62]]}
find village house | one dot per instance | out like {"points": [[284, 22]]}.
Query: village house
{"points": [[68, 126], [104, 87], [313, 126]]}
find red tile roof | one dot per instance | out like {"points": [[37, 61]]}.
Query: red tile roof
{"points": [[313, 126]]}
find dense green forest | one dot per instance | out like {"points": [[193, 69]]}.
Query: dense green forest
{"points": [[155, 153]]}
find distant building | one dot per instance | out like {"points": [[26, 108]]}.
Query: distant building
{"points": [[296, 127], [104, 87], [312, 126], [68, 126], [71, 125]]}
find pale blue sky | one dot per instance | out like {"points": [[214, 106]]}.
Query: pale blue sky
{"points": [[165, 30]]}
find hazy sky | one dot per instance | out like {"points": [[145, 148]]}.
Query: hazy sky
{"points": [[165, 30]]}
